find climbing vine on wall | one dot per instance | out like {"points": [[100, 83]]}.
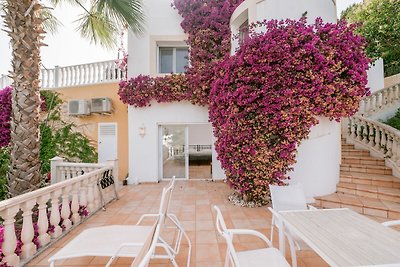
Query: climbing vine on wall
{"points": [[264, 99]]}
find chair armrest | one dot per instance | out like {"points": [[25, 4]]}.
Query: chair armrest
{"points": [[311, 207], [391, 223], [250, 232]]}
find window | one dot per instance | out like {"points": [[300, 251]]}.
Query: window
{"points": [[172, 59], [243, 31]]}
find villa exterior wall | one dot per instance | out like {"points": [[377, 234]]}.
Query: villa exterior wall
{"points": [[88, 125], [144, 152]]}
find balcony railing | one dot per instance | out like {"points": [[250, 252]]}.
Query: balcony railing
{"points": [[84, 74], [46, 214]]}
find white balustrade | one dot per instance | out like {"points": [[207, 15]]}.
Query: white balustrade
{"points": [[84, 74], [380, 100], [380, 139], [56, 205]]}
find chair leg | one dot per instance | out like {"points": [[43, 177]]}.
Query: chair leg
{"points": [[272, 229], [175, 220]]}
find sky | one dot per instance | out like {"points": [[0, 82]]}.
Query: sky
{"points": [[67, 47]]}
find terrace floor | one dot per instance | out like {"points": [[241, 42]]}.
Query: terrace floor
{"points": [[192, 202]]}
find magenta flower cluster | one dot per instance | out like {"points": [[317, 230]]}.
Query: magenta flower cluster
{"points": [[273, 88], [264, 99], [5, 116]]}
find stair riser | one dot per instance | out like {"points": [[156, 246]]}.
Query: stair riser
{"points": [[367, 162], [363, 193], [388, 214], [355, 153], [356, 180], [366, 169]]}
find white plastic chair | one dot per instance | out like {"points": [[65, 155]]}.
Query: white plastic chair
{"points": [[391, 223], [283, 198], [175, 248], [268, 256], [120, 240]]}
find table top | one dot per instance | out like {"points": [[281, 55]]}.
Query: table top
{"points": [[343, 237]]}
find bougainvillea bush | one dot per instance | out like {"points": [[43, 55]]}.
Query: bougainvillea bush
{"points": [[5, 114], [264, 99], [273, 88]]}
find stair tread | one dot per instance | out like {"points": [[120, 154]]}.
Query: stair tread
{"points": [[369, 176], [361, 201], [356, 165], [361, 157]]}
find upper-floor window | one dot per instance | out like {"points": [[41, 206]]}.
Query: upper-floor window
{"points": [[172, 59], [243, 31]]}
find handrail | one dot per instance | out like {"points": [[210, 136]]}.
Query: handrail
{"points": [[380, 100]]}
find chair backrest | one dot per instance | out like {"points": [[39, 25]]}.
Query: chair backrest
{"points": [[288, 197], [223, 231], [166, 198], [143, 258]]}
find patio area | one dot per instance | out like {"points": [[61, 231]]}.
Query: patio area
{"points": [[192, 202]]}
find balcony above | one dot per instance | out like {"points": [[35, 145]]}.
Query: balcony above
{"points": [[76, 75]]}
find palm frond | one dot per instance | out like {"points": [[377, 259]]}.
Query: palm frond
{"points": [[97, 28], [123, 13], [50, 22], [71, 2]]}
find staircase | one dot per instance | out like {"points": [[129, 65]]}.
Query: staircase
{"points": [[366, 185]]}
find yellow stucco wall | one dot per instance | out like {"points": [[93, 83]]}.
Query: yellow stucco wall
{"points": [[88, 125]]}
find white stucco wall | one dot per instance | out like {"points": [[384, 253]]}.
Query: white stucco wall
{"points": [[162, 23], [318, 160], [258, 10], [376, 77], [144, 156]]}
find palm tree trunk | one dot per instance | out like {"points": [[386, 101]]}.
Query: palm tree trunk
{"points": [[24, 23]]}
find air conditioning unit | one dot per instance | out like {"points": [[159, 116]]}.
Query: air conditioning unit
{"points": [[78, 107], [101, 105]]}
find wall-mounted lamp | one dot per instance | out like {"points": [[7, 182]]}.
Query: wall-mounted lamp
{"points": [[142, 130]]}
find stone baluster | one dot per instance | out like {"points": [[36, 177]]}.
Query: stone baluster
{"points": [[75, 204], [395, 149], [65, 209], [55, 214], [377, 138], [97, 201], [362, 109], [43, 223], [383, 142], [391, 95], [90, 196], [367, 106], [396, 91], [371, 130], [360, 130], [83, 194], [389, 144], [364, 132], [352, 128], [43, 78], [374, 100], [10, 240], [27, 233]]}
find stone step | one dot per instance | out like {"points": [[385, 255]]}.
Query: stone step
{"points": [[363, 160], [347, 146], [372, 169], [370, 179], [364, 205], [354, 152], [371, 191]]}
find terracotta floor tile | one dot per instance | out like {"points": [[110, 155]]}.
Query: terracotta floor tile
{"points": [[207, 253], [206, 237]]}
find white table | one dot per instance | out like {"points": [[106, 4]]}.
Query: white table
{"points": [[343, 237]]}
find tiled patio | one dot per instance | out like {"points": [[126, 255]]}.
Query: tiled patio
{"points": [[192, 203]]}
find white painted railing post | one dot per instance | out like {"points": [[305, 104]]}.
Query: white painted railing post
{"points": [[57, 76], [43, 224], [27, 233], [54, 162], [10, 240]]}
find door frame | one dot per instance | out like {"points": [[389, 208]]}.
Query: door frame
{"points": [[160, 154]]}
